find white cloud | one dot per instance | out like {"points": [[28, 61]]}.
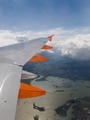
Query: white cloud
{"points": [[74, 43], [77, 46], [50, 51], [6, 37], [21, 39]]}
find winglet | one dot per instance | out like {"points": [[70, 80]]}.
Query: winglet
{"points": [[50, 37]]}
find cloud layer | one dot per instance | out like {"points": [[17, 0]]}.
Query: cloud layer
{"points": [[77, 46], [74, 43]]}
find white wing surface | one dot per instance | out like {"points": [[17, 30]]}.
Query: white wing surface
{"points": [[12, 58]]}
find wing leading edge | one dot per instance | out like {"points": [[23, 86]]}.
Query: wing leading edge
{"points": [[12, 58]]}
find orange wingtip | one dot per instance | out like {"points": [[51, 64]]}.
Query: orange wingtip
{"points": [[46, 47], [28, 91], [50, 37], [37, 58]]}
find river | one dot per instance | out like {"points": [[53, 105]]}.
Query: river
{"points": [[58, 92]]}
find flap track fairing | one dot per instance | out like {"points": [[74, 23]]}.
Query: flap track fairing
{"points": [[28, 91]]}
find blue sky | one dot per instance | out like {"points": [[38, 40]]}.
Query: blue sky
{"points": [[37, 15], [68, 20]]}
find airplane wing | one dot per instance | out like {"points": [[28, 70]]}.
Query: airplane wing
{"points": [[12, 59]]}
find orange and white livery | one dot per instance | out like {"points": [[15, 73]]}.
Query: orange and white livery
{"points": [[12, 59]]}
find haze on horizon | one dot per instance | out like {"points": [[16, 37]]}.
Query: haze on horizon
{"points": [[68, 20]]}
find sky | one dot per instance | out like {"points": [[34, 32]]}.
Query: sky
{"points": [[68, 20]]}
